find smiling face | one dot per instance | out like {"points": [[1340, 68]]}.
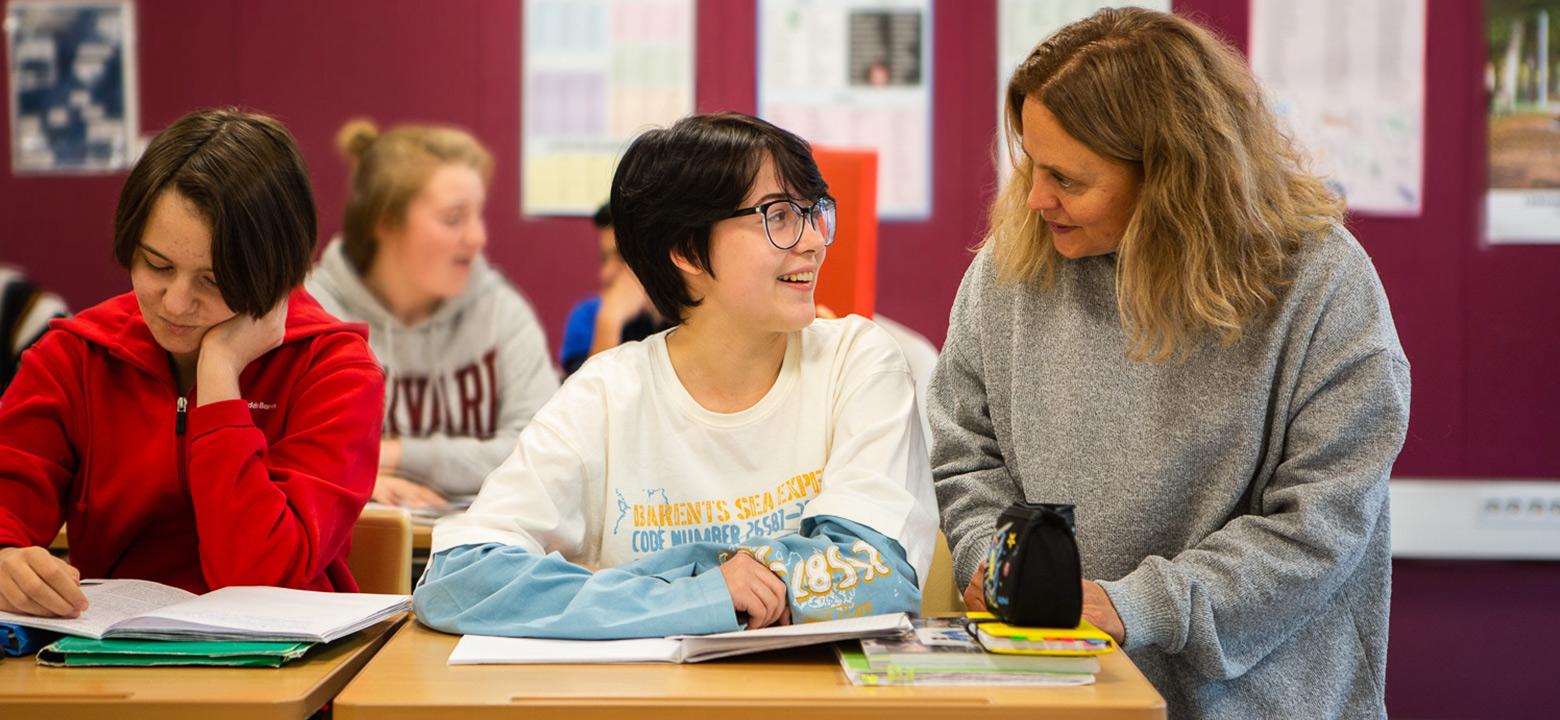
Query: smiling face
{"points": [[1086, 198], [754, 283], [171, 274], [442, 236]]}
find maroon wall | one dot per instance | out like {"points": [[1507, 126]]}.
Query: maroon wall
{"points": [[1481, 324]]}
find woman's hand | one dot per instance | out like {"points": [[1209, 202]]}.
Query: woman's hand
{"points": [[975, 592], [33, 582], [392, 489], [229, 347], [1099, 610], [756, 592]]}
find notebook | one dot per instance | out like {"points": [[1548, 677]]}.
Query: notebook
{"points": [[86, 652], [860, 671], [1003, 638], [145, 610], [489, 650]]}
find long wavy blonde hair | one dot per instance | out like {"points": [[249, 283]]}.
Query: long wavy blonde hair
{"points": [[1226, 197]]}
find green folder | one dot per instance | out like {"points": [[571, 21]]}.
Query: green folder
{"points": [[86, 652]]}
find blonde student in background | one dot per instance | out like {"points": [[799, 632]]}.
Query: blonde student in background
{"points": [[211, 427], [465, 359], [1170, 328], [751, 466]]}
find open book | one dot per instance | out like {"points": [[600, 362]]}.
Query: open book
{"points": [[488, 650], [147, 610]]}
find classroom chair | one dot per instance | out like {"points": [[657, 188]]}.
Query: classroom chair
{"points": [[381, 554], [941, 594]]}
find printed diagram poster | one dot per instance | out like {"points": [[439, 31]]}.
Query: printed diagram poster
{"points": [[855, 73], [1024, 24], [595, 74], [1348, 79], [1522, 76], [72, 79]]}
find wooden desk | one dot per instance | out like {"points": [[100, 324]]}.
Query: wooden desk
{"points": [[295, 690], [409, 678], [422, 538]]}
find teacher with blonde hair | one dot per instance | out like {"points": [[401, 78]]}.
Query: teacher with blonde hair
{"points": [[1170, 328]]}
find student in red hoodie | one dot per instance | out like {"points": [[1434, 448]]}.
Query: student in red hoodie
{"points": [[214, 426]]}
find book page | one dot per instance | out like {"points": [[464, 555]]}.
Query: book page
{"points": [[267, 612], [108, 602]]}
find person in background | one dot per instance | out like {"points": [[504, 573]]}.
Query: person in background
{"points": [[750, 466], [25, 312], [621, 313], [465, 358], [1170, 328], [212, 427]]}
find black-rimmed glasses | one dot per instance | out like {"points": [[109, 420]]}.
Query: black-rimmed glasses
{"points": [[784, 220]]}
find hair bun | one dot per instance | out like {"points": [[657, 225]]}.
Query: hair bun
{"points": [[355, 136]]}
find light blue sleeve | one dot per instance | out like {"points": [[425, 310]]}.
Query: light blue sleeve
{"points": [[506, 590], [836, 569]]}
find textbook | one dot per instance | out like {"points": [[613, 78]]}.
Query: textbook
{"points": [[489, 650], [145, 610], [1003, 638], [860, 671], [86, 652]]}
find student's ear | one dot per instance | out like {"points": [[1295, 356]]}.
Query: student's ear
{"points": [[687, 266]]}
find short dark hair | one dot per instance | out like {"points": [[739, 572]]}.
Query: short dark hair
{"points": [[603, 217], [243, 173], [673, 184]]}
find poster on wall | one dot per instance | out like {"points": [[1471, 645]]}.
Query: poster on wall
{"points": [[1522, 80], [1024, 24], [595, 73], [1348, 80], [855, 73], [72, 77]]}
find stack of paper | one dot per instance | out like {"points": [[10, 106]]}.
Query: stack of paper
{"points": [[940, 651]]}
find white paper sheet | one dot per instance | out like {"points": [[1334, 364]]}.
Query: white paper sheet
{"points": [[1349, 79], [595, 73], [855, 73]]}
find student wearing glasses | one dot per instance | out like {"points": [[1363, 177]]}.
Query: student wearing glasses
{"points": [[212, 427], [751, 466]]}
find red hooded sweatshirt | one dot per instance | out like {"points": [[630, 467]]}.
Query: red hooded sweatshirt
{"points": [[258, 491]]}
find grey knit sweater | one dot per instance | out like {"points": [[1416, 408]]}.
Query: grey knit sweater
{"points": [[1233, 504]]}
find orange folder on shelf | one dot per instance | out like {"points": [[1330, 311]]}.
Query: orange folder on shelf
{"points": [[848, 281]]}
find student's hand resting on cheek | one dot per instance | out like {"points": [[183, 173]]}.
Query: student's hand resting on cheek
{"points": [[756, 592], [33, 582], [229, 347]]}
